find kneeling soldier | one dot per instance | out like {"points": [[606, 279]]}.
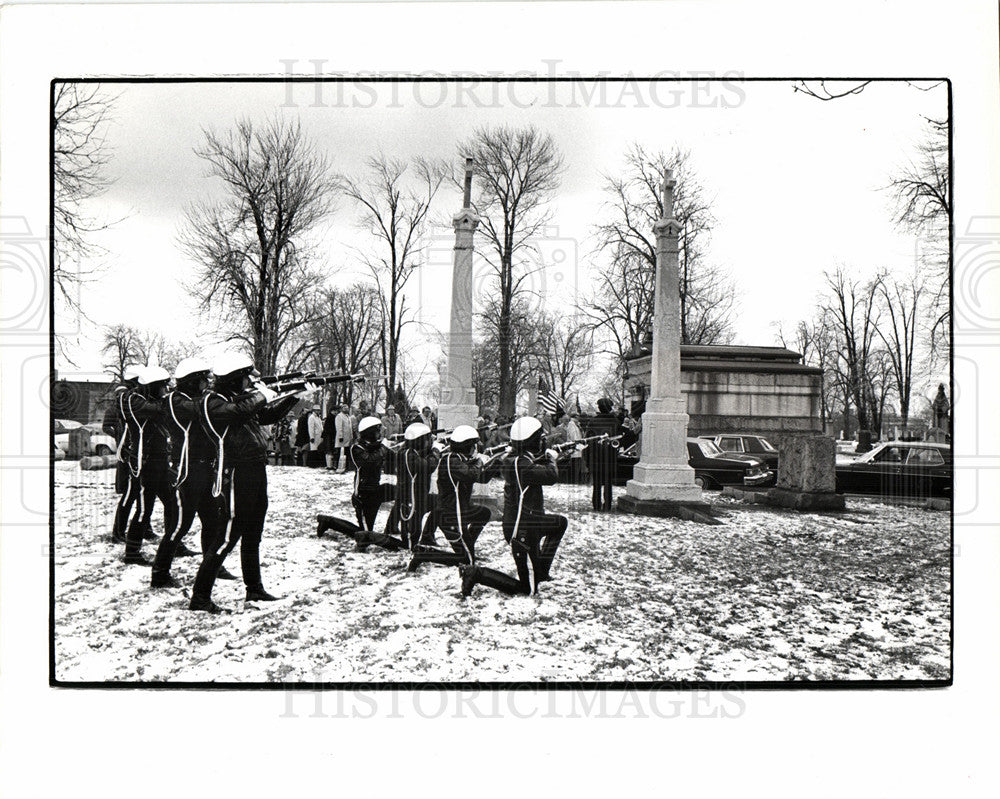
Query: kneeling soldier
{"points": [[460, 521], [366, 456], [533, 535], [414, 467]]}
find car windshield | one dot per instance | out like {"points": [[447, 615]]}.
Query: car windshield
{"points": [[710, 450], [62, 425]]}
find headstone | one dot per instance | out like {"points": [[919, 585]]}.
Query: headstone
{"points": [[807, 479]]}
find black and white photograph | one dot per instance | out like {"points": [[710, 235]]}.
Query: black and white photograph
{"points": [[493, 381], [559, 397]]}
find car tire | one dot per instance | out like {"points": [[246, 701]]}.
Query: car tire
{"points": [[700, 482], [102, 449]]}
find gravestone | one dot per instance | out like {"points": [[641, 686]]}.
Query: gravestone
{"points": [[807, 479]]}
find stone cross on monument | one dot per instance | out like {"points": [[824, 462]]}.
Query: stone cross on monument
{"points": [[663, 483], [458, 398]]}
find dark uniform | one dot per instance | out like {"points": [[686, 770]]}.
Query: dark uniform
{"points": [[460, 520], [602, 459], [193, 455], [233, 424], [125, 484], [149, 463], [414, 500], [533, 535]]}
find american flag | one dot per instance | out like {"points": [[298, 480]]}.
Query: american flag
{"points": [[548, 401]]}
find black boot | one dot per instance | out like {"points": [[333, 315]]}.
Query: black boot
{"points": [[258, 594], [201, 592], [147, 531], [323, 523], [225, 574], [163, 580], [208, 606], [338, 525], [425, 554], [183, 551]]}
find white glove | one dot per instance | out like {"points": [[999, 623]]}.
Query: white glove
{"points": [[388, 444], [268, 393], [437, 447], [309, 389], [552, 454], [483, 458]]}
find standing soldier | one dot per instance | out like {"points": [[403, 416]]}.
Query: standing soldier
{"points": [[602, 456], [232, 415], [114, 425], [460, 521], [193, 455], [533, 535], [149, 459]]}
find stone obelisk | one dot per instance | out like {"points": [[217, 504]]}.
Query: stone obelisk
{"points": [[458, 398], [662, 483]]}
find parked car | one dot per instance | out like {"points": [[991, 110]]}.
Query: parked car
{"points": [[915, 469], [100, 442], [713, 468], [61, 428], [748, 444]]}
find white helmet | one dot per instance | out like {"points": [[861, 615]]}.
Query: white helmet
{"points": [[190, 366], [132, 371], [230, 362], [524, 428], [415, 431], [368, 422], [464, 433], [153, 374]]}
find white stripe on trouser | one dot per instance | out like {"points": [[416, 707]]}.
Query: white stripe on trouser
{"points": [[232, 512], [458, 513], [180, 515]]}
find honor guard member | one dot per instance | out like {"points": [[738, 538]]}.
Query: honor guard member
{"points": [[149, 459], [114, 425], [415, 465], [232, 415], [602, 456], [193, 456], [366, 456], [460, 521], [533, 535]]}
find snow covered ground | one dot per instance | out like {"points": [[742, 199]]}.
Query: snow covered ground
{"points": [[769, 595]]}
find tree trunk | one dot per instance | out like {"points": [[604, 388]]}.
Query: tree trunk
{"points": [[508, 391]]}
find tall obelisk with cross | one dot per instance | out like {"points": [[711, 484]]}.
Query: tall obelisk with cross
{"points": [[458, 398], [662, 483]]}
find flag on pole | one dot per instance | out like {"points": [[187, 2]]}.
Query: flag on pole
{"points": [[549, 402]]}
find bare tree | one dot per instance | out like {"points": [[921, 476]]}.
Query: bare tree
{"points": [[634, 205], [80, 116], [853, 313], [902, 303], [346, 332], [485, 378], [622, 304], [517, 171], [921, 191], [834, 90], [251, 244], [120, 348], [522, 331], [565, 350], [394, 198]]}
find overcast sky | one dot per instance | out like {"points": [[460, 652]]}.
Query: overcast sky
{"points": [[796, 183]]}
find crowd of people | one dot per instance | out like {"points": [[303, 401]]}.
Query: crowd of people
{"points": [[201, 447]]}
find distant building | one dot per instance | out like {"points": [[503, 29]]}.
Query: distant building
{"points": [[730, 388], [81, 400]]}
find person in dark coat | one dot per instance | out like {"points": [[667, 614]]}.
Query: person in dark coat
{"points": [[415, 464], [602, 456], [367, 456], [193, 456], [232, 415], [460, 521], [533, 535], [149, 460], [115, 426]]}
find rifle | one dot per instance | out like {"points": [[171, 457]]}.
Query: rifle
{"points": [[297, 384], [614, 441], [269, 379]]}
